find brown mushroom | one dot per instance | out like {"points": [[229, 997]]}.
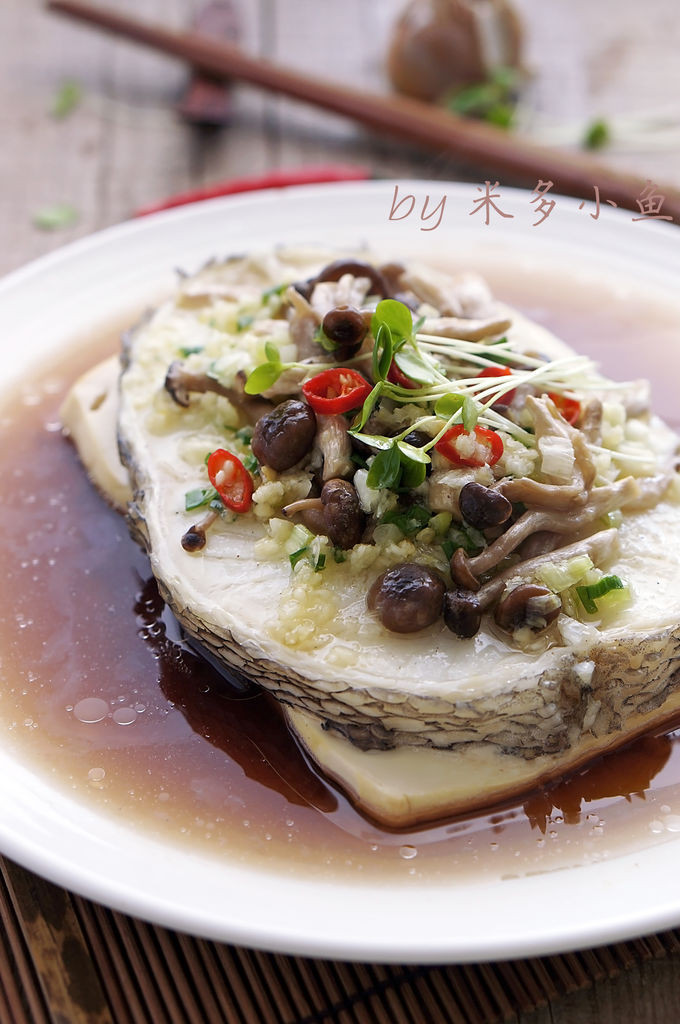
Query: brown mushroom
{"points": [[408, 597], [462, 612], [194, 538], [336, 513], [527, 605], [346, 327], [335, 270], [483, 507], [284, 436], [343, 514]]}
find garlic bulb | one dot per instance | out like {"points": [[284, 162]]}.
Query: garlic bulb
{"points": [[440, 44]]}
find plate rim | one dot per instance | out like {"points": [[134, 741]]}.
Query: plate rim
{"points": [[612, 878]]}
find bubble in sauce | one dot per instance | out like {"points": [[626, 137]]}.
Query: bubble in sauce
{"points": [[125, 716], [408, 852], [90, 710], [96, 774]]}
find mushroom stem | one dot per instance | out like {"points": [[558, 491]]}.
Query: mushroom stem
{"points": [[335, 445], [303, 505], [180, 383], [599, 547], [621, 494]]}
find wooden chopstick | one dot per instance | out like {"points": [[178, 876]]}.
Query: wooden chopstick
{"points": [[496, 152]]}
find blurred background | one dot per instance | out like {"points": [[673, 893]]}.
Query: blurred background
{"points": [[91, 129]]}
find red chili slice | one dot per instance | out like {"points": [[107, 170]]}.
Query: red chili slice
{"points": [[500, 371], [488, 439], [569, 408], [337, 390], [398, 377], [231, 480]]}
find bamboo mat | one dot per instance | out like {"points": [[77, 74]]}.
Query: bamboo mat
{"points": [[65, 959]]}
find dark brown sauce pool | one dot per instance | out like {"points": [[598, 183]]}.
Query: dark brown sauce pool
{"points": [[98, 691]]}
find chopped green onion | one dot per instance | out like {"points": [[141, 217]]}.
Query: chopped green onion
{"points": [[562, 574], [297, 555], [597, 134], [320, 563], [66, 99], [278, 289], [409, 521], [589, 594], [339, 555], [244, 434], [448, 547], [467, 537], [57, 215]]}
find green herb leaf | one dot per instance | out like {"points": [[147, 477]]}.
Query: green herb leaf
{"points": [[500, 114], [368, 407], [411, 520], [448, 547], [339, 555], [190, 350], [383, 350], [376, 441], [412, 474], [272, 352], [245, 321], [385, 470], [493, 100], [396, 316], [200, 496], [55, 216], [413, 454], [251, 463], [410, 361], [262, 377], [446, 406], [66, 99], [471, 411]]}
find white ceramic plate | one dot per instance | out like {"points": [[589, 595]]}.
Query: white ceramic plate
{"points": [[62, 296]]}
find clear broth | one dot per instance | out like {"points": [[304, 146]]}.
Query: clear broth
{"points": [[99, 692]]}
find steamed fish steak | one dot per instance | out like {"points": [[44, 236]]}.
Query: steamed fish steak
{"points": [[419, 519]]}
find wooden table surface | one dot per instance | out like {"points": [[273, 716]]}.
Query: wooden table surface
{"points": [[124, 147]]}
